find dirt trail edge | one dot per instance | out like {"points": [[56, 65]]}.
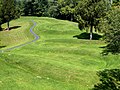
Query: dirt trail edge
{"points": [[21, 45]]}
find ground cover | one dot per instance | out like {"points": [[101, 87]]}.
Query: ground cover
{"points": [[18, 34], [57, 61]]}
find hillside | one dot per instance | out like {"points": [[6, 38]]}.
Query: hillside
{"points": [[56, 61]]}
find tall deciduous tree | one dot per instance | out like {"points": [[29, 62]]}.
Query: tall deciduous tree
{"points": [[89, 12], [9, 11]]}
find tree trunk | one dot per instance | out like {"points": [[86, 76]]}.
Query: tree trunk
{"points": [[8, 28], [71, 17], [111, 1], [91, 31]]}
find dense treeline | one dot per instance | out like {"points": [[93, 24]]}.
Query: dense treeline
{"points": [[63, 9]]}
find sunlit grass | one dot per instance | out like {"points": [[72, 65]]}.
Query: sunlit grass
{"points": [[18, 35], [57, 61]]}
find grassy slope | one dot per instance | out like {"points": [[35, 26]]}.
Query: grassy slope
{"points": [[16, 35], [55, 62]]}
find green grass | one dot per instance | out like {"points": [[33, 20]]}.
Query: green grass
{"points": [[57, 61], [18, 35]]}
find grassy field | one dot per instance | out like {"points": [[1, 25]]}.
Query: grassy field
{"points": [[57, 61], [18, 34]]}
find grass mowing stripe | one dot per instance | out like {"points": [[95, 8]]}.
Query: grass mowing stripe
{"points": [[21, 45], [56, 61]]}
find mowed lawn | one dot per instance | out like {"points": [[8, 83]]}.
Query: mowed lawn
{"points": [[57, 61], [18, 34]]}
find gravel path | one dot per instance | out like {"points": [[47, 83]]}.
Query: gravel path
{"points": [[35, 35]]}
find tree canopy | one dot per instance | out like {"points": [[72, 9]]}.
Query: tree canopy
{"points": [[111, 27], [8, 11], [89, 12]]}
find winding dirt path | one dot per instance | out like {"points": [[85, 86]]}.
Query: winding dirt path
{"points": [[21, 45]]}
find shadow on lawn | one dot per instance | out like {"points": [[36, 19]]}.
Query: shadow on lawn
{"points": [[2, 46], [15, 27], [87, 36]]}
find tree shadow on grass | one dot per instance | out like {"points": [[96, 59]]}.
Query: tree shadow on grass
{"points": [[14, 27], [2, 46], [87, 36], [103, 47]]}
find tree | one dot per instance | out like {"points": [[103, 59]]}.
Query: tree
{"points": [[111, 27], [53, 10], [35, 8], [9, 11], [0, 15], [68, 9], [63, 9], [110, 80], [20, 5], [88, 13]]}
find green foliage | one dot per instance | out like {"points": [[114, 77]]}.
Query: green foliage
{"points": [[67, 9], [33, 7], [88, 13], [111, 27], [116, 1], [110, 80], [0, 15], [63, 9], [8, 11], [30, 7]]}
